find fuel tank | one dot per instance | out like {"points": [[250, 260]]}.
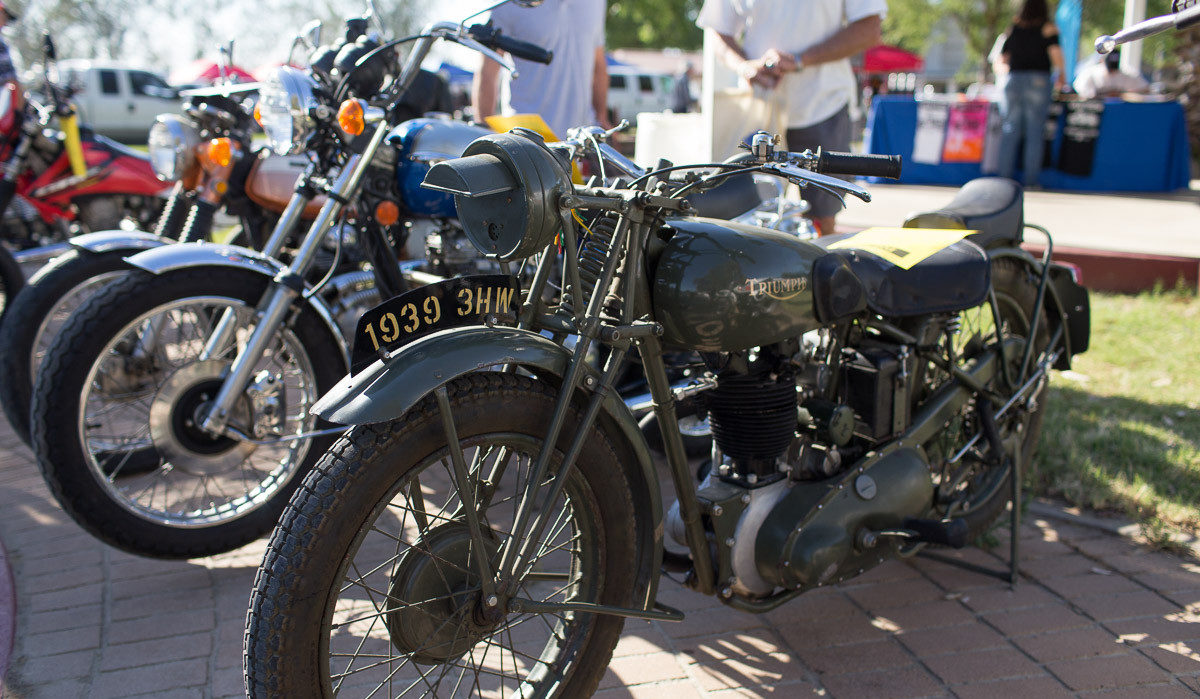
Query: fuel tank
{"points": [[272, 181], [420, 143], [720, 286]]}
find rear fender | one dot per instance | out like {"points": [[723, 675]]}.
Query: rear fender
{"points": [[387, 388], [104, 241], [1066, 303], [167, 258]]}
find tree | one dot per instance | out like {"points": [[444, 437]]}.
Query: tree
{"points": [[655, 24]]}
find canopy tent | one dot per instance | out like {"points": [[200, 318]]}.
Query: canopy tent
{"points": [[210, 72], [891, 59]]}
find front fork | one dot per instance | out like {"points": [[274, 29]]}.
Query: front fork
{"points": [[285, 289]]}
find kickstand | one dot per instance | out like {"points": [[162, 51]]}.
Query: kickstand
{"points": [[1012, 573]]}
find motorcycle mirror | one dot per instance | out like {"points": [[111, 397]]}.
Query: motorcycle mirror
{"points": [[48, 47], [528, 3], [310, 34]]}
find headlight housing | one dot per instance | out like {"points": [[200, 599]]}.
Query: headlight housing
{"points": [[172, 147], [284, 110]]}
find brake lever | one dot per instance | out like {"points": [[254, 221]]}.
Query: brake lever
{"points": [[824, 181], [465, 40]]}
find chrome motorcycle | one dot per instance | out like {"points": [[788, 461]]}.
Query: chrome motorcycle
{"points": [[172, 415], [494, 514]]}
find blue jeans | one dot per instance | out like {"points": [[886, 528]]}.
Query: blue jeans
{"points": [[1024, 104]]}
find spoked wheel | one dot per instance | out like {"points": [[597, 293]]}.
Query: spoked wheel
{"points": [[11, 279], [35, 318], [120, 396], [373, 586], [971, 484]]}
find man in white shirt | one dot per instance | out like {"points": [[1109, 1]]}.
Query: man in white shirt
{"points": [[573, 89], [1105, 79], [802, 47]]}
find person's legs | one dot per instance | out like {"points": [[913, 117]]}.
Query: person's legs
{"points": [[831, 134], [1010, 124], [1036, 103]]}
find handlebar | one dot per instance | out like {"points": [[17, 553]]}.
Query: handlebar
{"points": [[835, 163], [1155, 25], [491, 37]]}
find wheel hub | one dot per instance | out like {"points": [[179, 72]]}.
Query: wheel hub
{"points": [[435, 612], [176, 414]]}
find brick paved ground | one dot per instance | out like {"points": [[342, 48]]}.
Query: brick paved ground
{"points": [[1095, 616]]}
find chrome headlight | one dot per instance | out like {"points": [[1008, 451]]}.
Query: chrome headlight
{"points": [[284, 109], [172, 146]]}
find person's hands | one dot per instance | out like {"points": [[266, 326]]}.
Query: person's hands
{"points": [[1060, 82], [784, 62], [759, 71]]}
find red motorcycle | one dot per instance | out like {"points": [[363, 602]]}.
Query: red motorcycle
{"points": [[58, 182]]}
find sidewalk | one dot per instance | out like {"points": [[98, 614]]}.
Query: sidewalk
{"points": [[1094, 615]]}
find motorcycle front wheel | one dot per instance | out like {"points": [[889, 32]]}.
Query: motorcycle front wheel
{"points": [[34, 319], [118, 399], [12, 279], [371, 583]]}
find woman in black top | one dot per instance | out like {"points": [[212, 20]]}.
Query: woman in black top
{"points": [[1029, 53]]}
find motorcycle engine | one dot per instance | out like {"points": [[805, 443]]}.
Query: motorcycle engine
{"points": [[801, 487]]}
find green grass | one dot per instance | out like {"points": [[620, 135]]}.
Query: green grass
{"points": [[1122, 430]]}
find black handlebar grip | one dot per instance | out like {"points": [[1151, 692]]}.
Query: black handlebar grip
{"points": [[522, 49], [835, 163]]}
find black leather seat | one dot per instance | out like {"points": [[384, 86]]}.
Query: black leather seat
{"points": [[994, 206], [953, 278]]}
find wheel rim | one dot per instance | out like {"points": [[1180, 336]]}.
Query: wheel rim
{"points": [[406, 616], [124, 392], [53, 321]]}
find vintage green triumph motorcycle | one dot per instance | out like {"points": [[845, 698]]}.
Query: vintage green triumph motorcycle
{"points": [[495, 515]]}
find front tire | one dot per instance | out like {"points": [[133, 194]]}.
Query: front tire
{"points": [[116, 400], [12, 279], [380, 512], [34, 319]]}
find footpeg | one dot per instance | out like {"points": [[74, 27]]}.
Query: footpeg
{"points": [[951, 533]]}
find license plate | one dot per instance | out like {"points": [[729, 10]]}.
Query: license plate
{"points": [[430, 308]]}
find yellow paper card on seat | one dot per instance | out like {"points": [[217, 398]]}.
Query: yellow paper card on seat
{"points": [[903, 247]]}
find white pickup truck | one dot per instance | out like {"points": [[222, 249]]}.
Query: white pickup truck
{"points": [[116, 100]]}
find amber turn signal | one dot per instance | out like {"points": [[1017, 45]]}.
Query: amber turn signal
{"points": [[350, 117], [258, 114], [387, 213], [219, 151]]}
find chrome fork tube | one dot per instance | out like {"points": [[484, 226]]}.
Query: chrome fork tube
{"points": [[287, 287], [288, 220]]}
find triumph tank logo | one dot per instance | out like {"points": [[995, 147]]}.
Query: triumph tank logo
{"points": [[778, 289]]}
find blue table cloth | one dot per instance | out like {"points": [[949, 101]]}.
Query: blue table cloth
{"points": [[1142, 147]]}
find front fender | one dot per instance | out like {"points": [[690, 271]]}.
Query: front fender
{"points": [[168, 258], [387, 388], [117, 239]]}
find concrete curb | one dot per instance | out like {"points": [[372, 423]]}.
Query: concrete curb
{"points": [[1044, 507]]}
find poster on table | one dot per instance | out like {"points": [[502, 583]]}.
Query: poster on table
{"points": [[1081, 129], [931, 132], [966, 132]]}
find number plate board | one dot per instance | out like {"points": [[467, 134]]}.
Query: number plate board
{"points": [[430, 308]]}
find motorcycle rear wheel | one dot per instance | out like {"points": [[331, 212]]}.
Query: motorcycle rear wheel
{"points": [[381, 513], [34, 319], [106, 401], [970, 488]]}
